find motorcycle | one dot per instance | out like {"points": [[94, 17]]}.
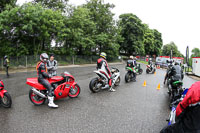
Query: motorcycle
{"points": [[130, 75], [138, 69], [63, 86], [175, 91], [172, 115], [5, 98], [101, 82], [150, 69]]}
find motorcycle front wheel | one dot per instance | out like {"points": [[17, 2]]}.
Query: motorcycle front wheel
{"points": [[35, 99], [94, 85], [6, 100], [74, 92]]}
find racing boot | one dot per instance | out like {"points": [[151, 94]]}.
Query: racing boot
{"points": [[111, 89], [51, 102]]}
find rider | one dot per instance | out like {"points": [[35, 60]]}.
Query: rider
{"points": [[150, 62], [168, 70], [132, 63], [43, 76], [102, 65], [52, 66], [187, 113], [176, 72]]}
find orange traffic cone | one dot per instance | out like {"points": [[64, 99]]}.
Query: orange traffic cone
{"points": [[145, 83], [154, 73], [158, 87]]}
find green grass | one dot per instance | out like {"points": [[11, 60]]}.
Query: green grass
{"points": [[144, 62], [190, 69]]}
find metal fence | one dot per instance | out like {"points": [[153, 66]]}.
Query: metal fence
{"points": [[31, 61]]}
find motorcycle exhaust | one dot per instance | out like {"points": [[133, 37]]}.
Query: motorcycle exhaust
{"points": [[117, 75], [38, 93]]}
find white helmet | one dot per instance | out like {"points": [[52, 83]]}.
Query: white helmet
{"points": [[44, 57], [131, 57]]}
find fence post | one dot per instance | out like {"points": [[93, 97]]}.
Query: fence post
{"points": [[73, 59], [26, 61], [2, 63]]}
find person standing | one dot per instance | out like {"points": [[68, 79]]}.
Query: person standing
{"points": [[6, 64], [52, 66]]}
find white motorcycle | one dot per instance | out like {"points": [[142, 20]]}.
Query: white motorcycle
{"points": [[150, 69], [101, 82]]}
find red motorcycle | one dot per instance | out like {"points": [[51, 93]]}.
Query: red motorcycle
{"points": [[5, 98], [63, 86]]}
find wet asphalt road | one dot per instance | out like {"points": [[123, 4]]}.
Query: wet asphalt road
{"points": [[131, 109]]}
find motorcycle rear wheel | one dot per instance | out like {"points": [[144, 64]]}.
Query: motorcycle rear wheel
{"points": [[77, 89], [93, 85], [147, 71], [35, 99], [140, 71], [6, 101]]}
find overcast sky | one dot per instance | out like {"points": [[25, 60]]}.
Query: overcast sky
{"points": [[177, 20]]}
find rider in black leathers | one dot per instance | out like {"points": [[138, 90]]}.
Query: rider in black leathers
{"points": [[176, 72], [168, 70], [43, 76]]}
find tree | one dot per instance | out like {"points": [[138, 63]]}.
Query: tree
{"points": [[105, 36], [132, 31], [195, 52], [158, 42], [29, 29], [53, 4], [149, 41], [79, 33], [6, 3], [171, 46]]}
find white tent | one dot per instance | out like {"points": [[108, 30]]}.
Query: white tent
{"points": [[196, 65]]}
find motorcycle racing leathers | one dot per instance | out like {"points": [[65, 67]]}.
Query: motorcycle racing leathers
{"points": [[102, 67], [52, 67], [176, 73], [187, 113], [43, 76], [132, 63]]}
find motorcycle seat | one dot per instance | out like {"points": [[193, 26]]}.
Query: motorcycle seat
{"points": [[34, 83], [177, 83]]}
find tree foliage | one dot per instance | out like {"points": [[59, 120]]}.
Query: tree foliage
{"points": [[29, 29], [88, 29], [138, 38], [53, 4], [6, 4], [105, 35], [171, 46], [132, 32], [195, 52]]}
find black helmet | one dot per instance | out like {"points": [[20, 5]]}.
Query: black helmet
{"points": [[44, 57]]}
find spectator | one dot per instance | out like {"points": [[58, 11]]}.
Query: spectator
{"points": [[52, 66], [6, 64]]}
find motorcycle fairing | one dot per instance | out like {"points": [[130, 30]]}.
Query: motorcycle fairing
{"points": [[2, 93]]}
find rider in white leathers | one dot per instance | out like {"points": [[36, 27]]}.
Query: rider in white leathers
{"points": [[102, 67]]}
